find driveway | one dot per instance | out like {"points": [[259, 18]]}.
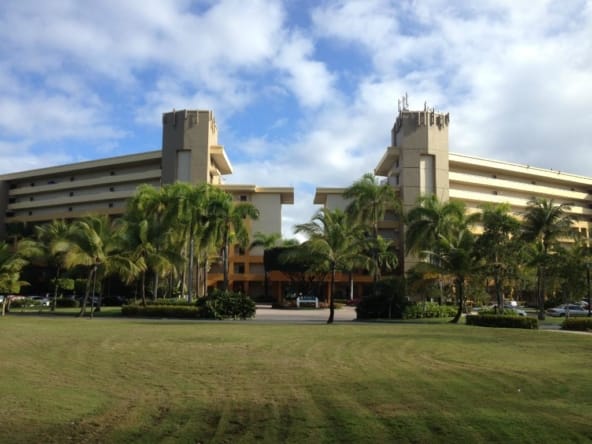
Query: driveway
{"points": [[306, 315]]}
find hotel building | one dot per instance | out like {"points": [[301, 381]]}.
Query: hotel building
{"points": [[418, 162], [190, 153]]}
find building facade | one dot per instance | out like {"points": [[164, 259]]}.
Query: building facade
{"points": [[190, 153], [418, 162]]}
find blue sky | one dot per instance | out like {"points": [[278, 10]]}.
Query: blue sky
{"points": [[304, 92]]}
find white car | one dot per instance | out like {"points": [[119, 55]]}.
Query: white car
{"points": [[41, 300], [567, 310]]}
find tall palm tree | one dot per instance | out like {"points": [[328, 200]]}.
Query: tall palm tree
{"points": [[370, 200], [498, 245], [11, 265], [146, 235], [265, 241], [545, 224], [443, 231], [52, 241], [228, 224], [336, 241], [429, 220], [188, 211], [96, 245], [454, 255]]}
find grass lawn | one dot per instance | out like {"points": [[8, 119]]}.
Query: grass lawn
{"points": [[117, 380]]}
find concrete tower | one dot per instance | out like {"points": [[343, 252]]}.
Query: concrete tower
{"points": [[190, 150], [416, 163]]}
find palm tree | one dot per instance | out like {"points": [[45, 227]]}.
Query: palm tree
{"points": [[336, 241], [544, 224], [265, 241], [227, 220], [96, 244], [454, 255], [52, 241], [146, 235], [11, 264], [433, 224], [429, 220], [370, 200], [498, 245], [441, 232]]}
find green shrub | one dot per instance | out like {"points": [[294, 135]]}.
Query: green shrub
{"points": [[170, 301], [389, 302], [577, 324], [218, 305], [492, 311], [226, 305], [489, 320], [160, 311], [428, 310]]}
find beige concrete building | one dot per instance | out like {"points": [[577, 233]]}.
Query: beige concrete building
{"points": [[190, 153], [418, 162]]}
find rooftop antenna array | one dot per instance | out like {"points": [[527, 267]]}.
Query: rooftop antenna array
{"points": [[403, 103]]}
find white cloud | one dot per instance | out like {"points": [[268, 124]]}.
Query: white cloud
{"points": [[515, 77]]}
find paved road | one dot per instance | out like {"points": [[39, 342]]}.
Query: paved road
{"points": [[267, 314]]}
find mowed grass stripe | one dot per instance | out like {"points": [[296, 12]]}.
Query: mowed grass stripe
{"points": [[118, 380]]}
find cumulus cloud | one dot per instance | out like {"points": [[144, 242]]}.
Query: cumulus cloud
{"points": [[304, 103]]}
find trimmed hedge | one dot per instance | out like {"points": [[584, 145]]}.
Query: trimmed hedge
{"points": [[577, 324], [488, 320], [218, 305], [429, 310]]}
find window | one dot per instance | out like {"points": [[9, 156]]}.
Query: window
{"points": [[31, 199], [111, 189], [71, 193], [110, 204], [69, 208], [239, 268], [30, 213], [243, 198]]}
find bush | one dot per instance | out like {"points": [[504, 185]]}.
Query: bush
{"points": [[389, 302], [170, 301], [577, 324], [429, 310], [226, 305], [218, 305], [488, 320]]}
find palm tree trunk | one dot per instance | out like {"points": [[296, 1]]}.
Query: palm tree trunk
{"points": [[225, 262], [541, 294], [86, 293], [155, 291], [143, 288], [190, 270], [205, 277], [331, 299], [92, 301], [460, 295], [55, 289]]}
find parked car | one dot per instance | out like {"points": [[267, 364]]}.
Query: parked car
{"points": [[568, 310], [508, 309], [40, 300]]}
